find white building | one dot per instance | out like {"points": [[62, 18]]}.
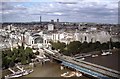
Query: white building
{"points": [[63, 37], [50, 27], [35, 40], [101, 36], [11, 27]]}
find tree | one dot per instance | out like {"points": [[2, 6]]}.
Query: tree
{"points": [[62, 47], [91, 46], [23, 59], [6, 61], [29, 54], [77, 47], [116, 44], [28, 51], [97, 45], [9, 58], [74, 47], [58, 45], [15, 51], [84, 47]]}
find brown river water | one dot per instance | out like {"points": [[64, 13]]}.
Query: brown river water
{"points": [[49, 69]]}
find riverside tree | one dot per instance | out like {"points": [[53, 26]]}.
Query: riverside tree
{"points": [[22, 55], [76, 47]]}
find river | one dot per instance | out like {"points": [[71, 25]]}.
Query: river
{"points": [[49, 69], [109, 61], [52, 69]]}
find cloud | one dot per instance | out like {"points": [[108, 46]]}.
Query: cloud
{"points": [[15, 0], [8, 8], [57, 13], [66, 10]]}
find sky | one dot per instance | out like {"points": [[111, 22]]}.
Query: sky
{"points": [[98, 11]]}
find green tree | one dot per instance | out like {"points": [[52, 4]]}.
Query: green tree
{"points": [[29, 54], [104, 46], [9, 58], [97, 46], [74, 47], [58, 45], [84, 47], [23, 59], [116, 44]]}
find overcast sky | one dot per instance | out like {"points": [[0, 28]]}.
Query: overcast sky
{"points": [[100, 11]]}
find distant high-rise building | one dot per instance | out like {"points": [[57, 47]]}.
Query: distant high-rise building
{"points": [[57, 23], [40, 19], [57, 20], [52, 21]]}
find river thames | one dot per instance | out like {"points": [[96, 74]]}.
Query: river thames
{"points": [[50, 69], [53, 69], [109, 61]]}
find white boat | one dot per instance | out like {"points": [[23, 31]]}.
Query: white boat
{"points": [[103, 53], [20, 73], [61, 67], [106, 53], [64, 74], [68, 74], [13, 76], [82, 59], [26, 72], [30, 71], [78, 74], [94, 55]]}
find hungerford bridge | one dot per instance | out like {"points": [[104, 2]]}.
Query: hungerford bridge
{"points": [[91, 69]]}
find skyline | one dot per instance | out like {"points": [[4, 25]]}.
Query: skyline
{"points": [[99, 11]]}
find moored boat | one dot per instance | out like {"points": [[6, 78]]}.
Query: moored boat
{"points": [[19, 73]]}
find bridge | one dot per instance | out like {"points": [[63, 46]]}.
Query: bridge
{"points": [[88, 68]]}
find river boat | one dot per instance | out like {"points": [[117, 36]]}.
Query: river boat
{"points": [[18, 73]]}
